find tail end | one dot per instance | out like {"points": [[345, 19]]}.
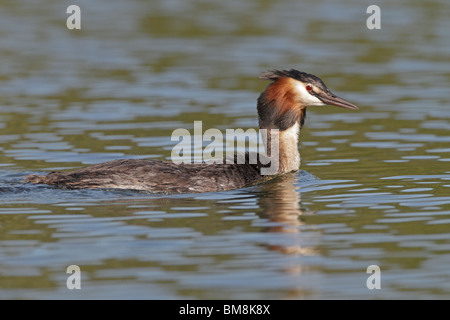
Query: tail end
{"points": [[34, 178]]}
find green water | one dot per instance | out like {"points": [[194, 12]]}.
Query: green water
{"points": [[374, 187]]}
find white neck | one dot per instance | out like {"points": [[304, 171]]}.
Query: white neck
{"points": [[288, 155]]}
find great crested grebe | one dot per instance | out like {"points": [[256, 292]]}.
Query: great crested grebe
{"points": [[282, 105]]}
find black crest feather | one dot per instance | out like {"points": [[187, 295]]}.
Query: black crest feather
{"points": [[273, 75]]}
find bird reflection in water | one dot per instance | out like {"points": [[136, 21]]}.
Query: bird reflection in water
{"points": [[280, 201]]}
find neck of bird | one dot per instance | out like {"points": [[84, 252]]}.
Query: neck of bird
{"points": [[284, 146], [282, 115]]}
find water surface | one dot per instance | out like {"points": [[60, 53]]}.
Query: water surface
{"points": [[374, 188]]}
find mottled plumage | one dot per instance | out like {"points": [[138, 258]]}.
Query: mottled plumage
{"points": [[155, 176]]}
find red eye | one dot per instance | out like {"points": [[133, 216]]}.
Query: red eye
{"points": [[308, 87]]}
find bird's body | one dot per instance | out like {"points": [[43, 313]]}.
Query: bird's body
{"points": [[155, 176], [281, 111]]}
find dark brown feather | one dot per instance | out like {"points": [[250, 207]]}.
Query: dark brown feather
{"points": [[278, 107], [155, 176]]}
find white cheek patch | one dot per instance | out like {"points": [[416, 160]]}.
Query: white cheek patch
{"points": [[305, 97]]}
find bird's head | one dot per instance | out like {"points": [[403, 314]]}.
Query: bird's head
{"points": [[284, 101]]}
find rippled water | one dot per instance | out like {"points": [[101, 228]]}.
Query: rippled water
{"points": [[374, 188]]}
